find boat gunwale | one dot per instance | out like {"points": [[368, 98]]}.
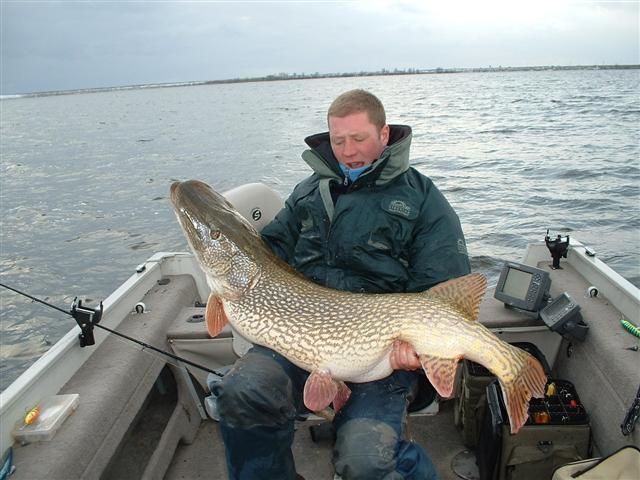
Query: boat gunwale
{"points": [[62, 361]]}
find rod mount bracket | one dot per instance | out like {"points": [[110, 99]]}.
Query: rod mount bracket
{"points": [[86, 318]]}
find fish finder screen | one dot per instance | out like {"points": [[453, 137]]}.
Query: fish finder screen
{"points": [[523, 287], [517, 283]]}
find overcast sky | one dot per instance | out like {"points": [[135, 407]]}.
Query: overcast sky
{"points": [[61, 45]]}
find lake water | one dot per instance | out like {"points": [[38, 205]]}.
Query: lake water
{"points": [[85, 177]]}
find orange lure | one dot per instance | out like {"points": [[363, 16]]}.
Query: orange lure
{"points": [[32, 416]]}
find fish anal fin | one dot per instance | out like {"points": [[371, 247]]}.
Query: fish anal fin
{"points": [[319, 390], [214, 315], [529, 382], [465, 293], [441, 372], [341, 397]]}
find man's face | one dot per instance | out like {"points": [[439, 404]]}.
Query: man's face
{"points": [[355, 141]]}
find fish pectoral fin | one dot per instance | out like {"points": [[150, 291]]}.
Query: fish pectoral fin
{"points": [[441, 372], [320, 390], [214, 315]]}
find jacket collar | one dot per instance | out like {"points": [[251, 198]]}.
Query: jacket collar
{"points": [[393, 161]]}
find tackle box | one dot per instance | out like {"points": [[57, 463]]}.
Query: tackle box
{"points": [[557, 432], [52, 412], [471, 403]]}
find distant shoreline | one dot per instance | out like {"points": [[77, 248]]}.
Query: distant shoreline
{"points": [[317, 75]]}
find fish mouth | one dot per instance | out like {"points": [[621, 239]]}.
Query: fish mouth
{"points": [[189, 201], [172, 191], [177, 189]]}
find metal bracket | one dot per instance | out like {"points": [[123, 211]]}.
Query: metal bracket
{"points": [[86, 318], [630, 419]]}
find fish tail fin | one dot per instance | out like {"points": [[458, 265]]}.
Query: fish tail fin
{"points": [[529, 381]]}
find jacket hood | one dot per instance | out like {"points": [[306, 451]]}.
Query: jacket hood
{"points": [[393, 161]]}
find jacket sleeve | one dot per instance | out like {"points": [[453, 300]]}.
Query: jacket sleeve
{"points": [[438, 252], [281, 234]]}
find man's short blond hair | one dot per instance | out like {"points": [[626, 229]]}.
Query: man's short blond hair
{"points": [[356, 101]]}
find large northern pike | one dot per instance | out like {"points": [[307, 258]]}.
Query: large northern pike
{"points": [[341, 336]]}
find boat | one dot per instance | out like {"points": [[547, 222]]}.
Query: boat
{"points": [[110, 408]]}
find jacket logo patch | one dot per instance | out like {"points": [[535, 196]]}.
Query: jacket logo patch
{"points": [[399, 207], [462, 247]]}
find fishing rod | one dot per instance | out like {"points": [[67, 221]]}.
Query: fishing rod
{"points": [[87, 318]]}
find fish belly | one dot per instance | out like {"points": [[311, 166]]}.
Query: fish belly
{"points": [[352, 372]]}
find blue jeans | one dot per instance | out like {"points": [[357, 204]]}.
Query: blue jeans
{"points": [[260, 398]]}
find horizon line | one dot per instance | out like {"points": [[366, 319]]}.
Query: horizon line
{"points": [[283, 76]]}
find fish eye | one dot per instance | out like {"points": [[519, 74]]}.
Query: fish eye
{"points": [[214, 234]]}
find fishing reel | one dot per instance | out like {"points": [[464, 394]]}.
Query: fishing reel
{"points": [[86, 318]]}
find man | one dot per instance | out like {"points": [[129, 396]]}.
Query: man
{"points": [[364, 222]]}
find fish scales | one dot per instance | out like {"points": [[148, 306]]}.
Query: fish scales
{"points": [[355, 328], [352, 339], [341, 336]]}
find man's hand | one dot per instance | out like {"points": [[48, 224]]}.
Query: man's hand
{"points": [[403, 356]]}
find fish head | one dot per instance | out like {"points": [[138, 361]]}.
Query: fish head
{"points": [[224, 243]]}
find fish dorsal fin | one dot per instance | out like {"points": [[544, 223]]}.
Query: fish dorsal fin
{"points": [[464, 293]]}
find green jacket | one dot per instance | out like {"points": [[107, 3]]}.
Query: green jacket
{"points": [[389, 231]]}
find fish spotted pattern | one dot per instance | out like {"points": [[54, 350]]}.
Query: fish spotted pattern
{"points": [[342, 336]]}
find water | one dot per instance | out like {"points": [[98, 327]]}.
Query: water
{"points": [[85, 177]]}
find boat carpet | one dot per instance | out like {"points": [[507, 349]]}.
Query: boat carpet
{"points": [[204, 459]]}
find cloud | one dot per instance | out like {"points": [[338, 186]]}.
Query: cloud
{"points": [[48, 45]]}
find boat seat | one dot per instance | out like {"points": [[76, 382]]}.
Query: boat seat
{"points": [[189, 339], [256, 202], [91, 438]]}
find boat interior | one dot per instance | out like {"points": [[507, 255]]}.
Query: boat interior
{"points": [[138, 414]]}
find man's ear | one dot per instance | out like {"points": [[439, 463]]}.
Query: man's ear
{"points": [[384, 135]]}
